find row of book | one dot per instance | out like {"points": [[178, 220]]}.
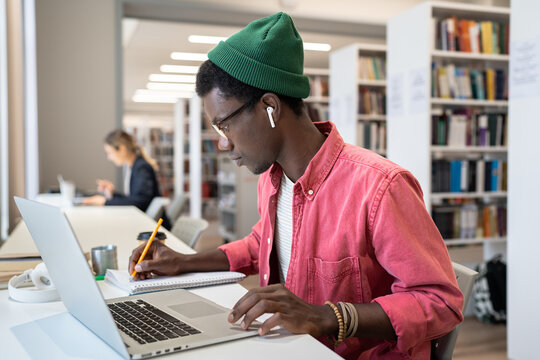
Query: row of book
{"points": [[318, 85], [209, 166], [468, 175], [464, 127], [371, 136], [209, 146], [371, 68], [159, 136], [486, 37], [318, 112], [371, 101], [451, 82], [158, 151], [470, 221], [208, 189]]}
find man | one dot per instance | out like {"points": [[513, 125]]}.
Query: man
{"points": [[337, 223]]}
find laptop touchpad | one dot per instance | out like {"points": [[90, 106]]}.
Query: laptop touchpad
{"points": [[196, 309]]}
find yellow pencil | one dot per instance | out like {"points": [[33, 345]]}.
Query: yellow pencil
{"points": [[148, 243]]}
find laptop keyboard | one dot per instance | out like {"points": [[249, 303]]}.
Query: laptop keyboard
{"points": [[145, 323]]}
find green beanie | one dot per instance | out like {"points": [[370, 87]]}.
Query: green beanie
{"points": [[267, 54]]}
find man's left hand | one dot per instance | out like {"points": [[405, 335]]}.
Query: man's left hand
{"points": [[289, 311]]}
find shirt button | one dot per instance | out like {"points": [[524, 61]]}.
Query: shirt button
{"points": [[310, 192], [268, 241], [265, 276]]}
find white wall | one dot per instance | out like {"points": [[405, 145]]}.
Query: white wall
{"points": [[523, 181], [77, 89]]}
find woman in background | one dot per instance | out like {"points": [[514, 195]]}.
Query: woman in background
{"points": [[140, 182]]}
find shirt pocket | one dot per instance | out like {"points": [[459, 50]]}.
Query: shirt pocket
{"points": [[334, 280]]}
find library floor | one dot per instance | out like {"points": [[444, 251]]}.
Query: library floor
{"points": [[476, 341]]}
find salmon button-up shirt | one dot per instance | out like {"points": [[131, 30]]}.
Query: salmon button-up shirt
{"points": [[361, 233]]}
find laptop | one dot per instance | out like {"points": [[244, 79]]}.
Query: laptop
{"points": [[69, 192], [136, 327]]}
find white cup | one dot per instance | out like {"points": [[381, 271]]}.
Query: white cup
{"points": [[67, 191]]}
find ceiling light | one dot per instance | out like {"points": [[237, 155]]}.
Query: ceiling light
{"points": [[200, 39], [164, 93], [181, 69], [317, 46], [189, 56], [172, 78], [169, 86], [144, 95], [153, 99]]}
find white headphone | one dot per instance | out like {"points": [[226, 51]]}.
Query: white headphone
{"points": [[42, 291], [270, 110]]}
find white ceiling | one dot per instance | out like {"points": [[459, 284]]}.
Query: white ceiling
{"points": [[148, 44]]}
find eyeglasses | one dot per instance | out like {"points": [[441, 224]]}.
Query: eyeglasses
{"points": [[221, 129]]}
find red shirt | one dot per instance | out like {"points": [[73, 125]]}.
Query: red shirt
{"points": [[361, 233]]}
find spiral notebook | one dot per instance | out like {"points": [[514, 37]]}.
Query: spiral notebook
{"points": [[122, 279]]}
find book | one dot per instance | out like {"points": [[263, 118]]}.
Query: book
{"points": [[122, 280]]}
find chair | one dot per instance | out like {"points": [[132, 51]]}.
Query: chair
{"points": [[176, 207], [157, 207], [189, 229], [443, 347]]}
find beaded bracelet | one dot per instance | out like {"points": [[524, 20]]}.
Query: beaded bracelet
{"points": [[340, 323]]}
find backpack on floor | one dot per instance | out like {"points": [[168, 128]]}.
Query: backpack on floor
{"points": [[489, 291]]}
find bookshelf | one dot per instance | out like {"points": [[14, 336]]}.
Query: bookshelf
{"points": [[162, 150], [318, 100], [196, 165], [237, 205], [156, 135], [358, 95], [446, 128]]}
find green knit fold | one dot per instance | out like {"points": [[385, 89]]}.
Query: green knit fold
{"points": [[267, 54]]}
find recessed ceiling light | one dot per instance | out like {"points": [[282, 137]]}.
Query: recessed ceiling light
{"points": [[172, 78], [181, 69], [317, 46], [200, 39], [188, 56], [153, 99], [169, 86], [144, 95]]}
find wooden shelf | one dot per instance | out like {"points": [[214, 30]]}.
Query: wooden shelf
{"points": [[469, 102], [229, 210], [450, 242], [372, 117], [469, 195], [468, 149], [443, 54], [372, 83]]}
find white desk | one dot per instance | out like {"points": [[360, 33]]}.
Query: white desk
{"points": [[47, 331]]}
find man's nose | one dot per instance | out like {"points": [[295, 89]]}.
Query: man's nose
{"points": [[224, 144]]}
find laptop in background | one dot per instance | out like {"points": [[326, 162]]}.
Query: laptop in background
{"points": [[136, 327], [68, 192]]}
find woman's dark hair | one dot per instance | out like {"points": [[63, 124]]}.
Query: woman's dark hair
{"points": [[211, 76]]}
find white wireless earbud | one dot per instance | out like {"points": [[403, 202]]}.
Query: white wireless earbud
{"points": [[270, 110]]}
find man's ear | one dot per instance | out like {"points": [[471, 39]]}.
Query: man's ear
{"points": [[272, 107]]}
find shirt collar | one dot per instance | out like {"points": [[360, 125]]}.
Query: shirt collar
{"points": [[319, 167]]}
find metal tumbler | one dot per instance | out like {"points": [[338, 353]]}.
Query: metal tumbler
{"points": [[103, 258]]}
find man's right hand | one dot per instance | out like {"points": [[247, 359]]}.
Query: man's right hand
{"points": [[160, 260]]}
